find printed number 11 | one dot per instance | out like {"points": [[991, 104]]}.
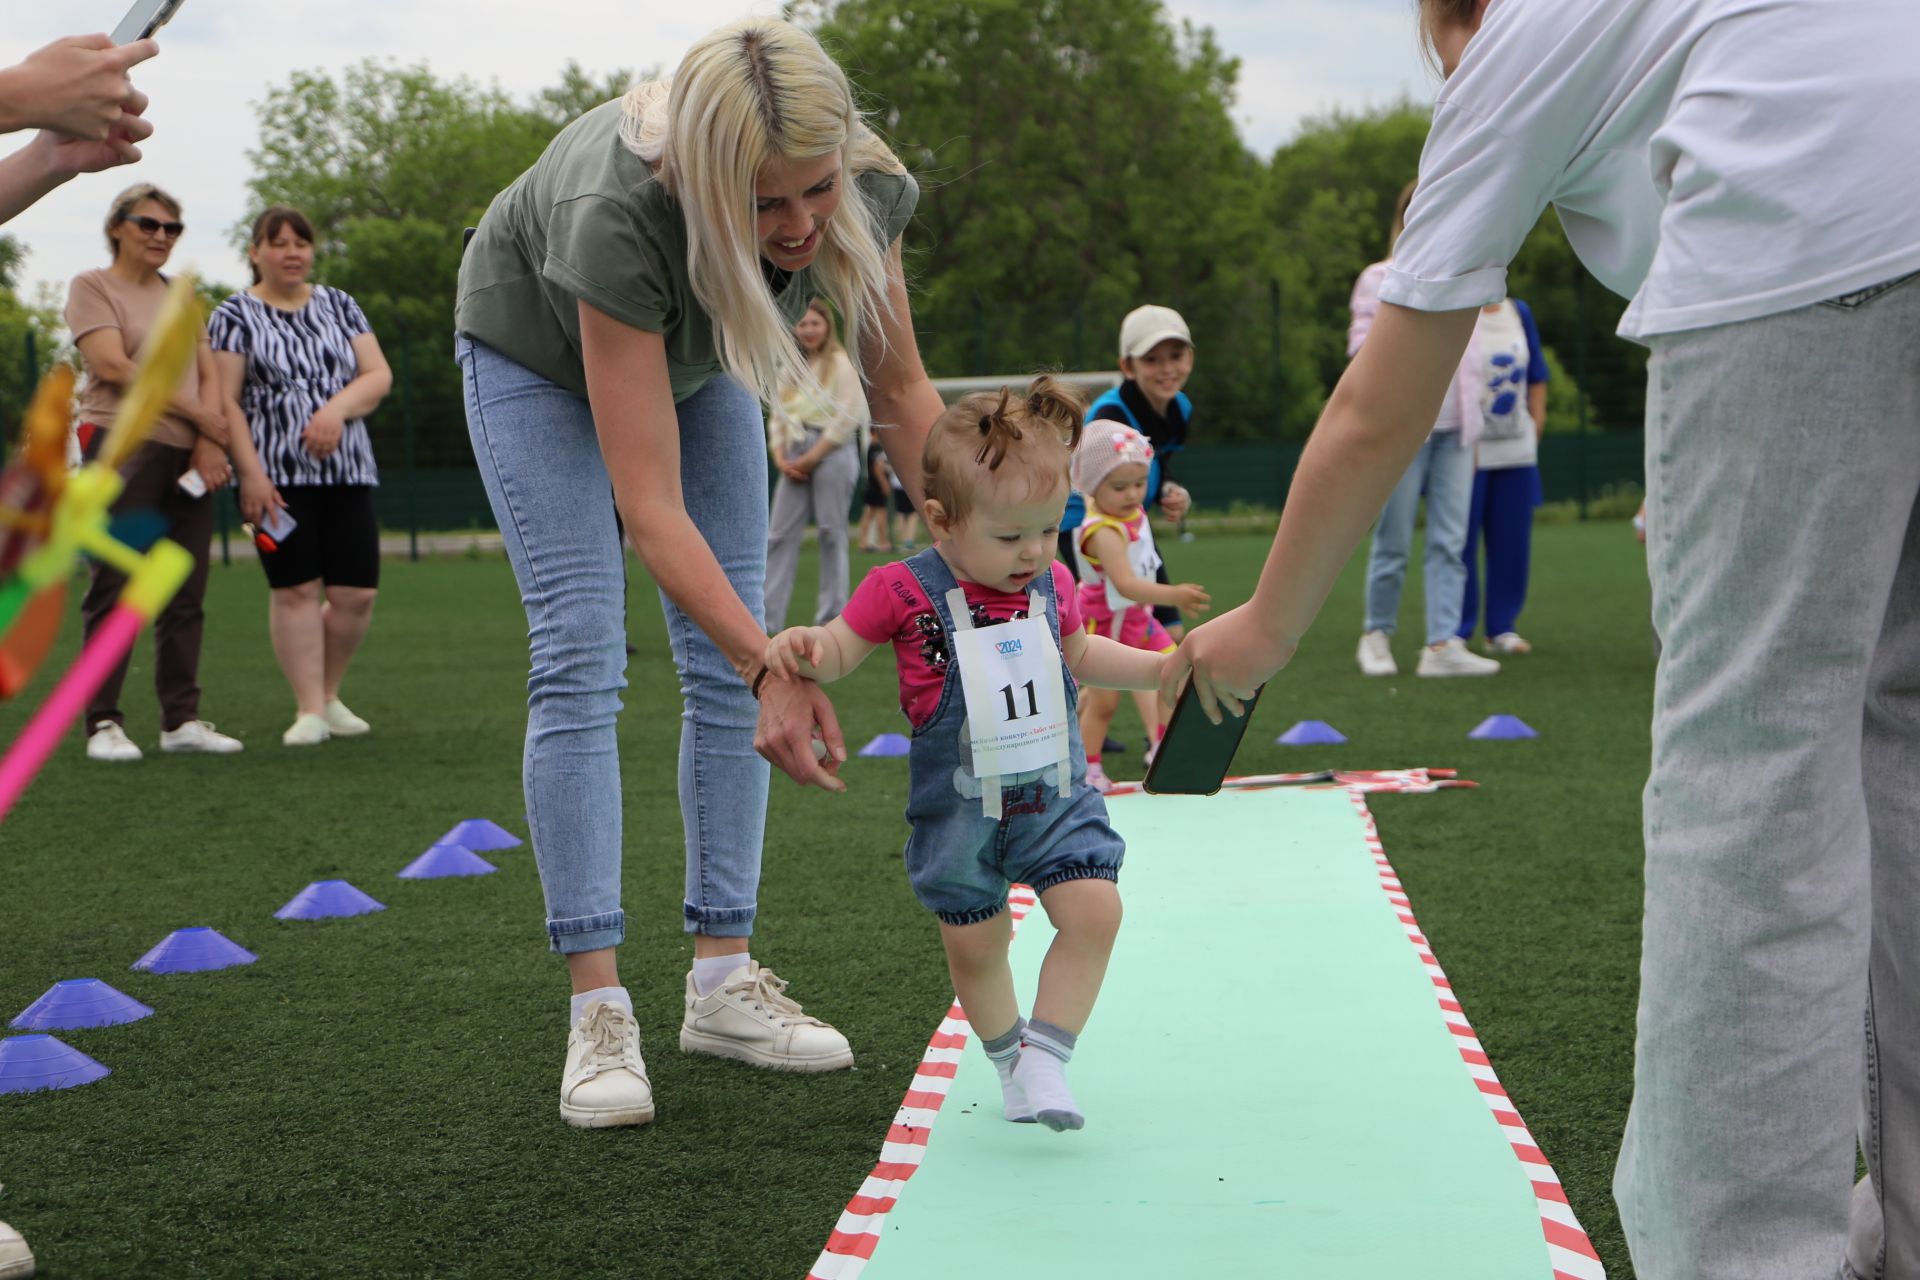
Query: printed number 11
{"points": [[1013, 709]]}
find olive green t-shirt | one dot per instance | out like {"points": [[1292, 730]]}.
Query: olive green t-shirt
{"points": [[590, 222]]}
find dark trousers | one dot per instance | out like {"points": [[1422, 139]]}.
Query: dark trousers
{"points": [[151, 476], [1502, 514]]}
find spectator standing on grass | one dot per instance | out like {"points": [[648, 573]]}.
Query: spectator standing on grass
{"points": [[815, 443], [76, 92], [874, 534], [621, 308], [1743, 173], [300, 370], [1442, 472], [1506, 480], [110, 312]]}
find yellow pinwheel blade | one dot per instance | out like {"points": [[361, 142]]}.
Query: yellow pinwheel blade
{"points": [[164, 357], [48, 420]]}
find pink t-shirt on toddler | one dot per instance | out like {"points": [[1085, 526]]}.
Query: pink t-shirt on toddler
{"points": [[891, 606]]}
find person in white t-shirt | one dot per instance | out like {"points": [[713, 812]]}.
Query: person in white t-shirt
{"points": [[1506, 482], [1745, 172]]}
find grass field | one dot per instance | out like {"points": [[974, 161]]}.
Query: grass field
{"points": [[376, 1096]]}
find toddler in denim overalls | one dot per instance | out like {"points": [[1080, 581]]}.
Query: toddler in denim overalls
{"points": [[995, 471]]}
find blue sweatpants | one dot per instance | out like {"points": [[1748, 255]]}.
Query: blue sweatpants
{"points": [[1503, 503]]}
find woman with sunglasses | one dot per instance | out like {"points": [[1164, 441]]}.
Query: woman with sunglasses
{"points": [[110, 312]]}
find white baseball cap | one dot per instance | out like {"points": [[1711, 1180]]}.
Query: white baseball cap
{"points": [[1146, 326]]}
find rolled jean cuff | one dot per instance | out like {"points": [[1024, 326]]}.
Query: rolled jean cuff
{"points": [[720, 922], [1064, 874], [587, 933], [977, 915]]}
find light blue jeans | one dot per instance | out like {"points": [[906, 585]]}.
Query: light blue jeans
{"points": [[1445, 471], [540, 460]]}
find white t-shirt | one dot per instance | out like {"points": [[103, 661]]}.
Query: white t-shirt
{"points": [[1714, 160], [1507, 431]]}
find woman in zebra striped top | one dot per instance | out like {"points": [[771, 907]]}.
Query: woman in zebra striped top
{"points": [[299, 362]]}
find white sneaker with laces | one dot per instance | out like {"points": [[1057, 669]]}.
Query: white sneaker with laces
{"points": [[198, 737], [605, 1083], [1508, 642], [109, 741], [343, 722], [307, 730], [1451, 658], [750, 1018], [1375, 655], [16, 1260], [1097, 777]]}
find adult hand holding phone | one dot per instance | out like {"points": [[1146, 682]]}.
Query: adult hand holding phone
{"points": [[77, 86], [1227, 660]]}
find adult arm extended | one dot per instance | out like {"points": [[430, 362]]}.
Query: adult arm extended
{"points": [[899, 391], [1380, 412], [639, 431]]}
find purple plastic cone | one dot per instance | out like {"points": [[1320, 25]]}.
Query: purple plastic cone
{"points": [[481, 836], [80, 1002], [42, 1062], [1311, 733], [194, 950], [324, 899], [447, 860], [887, 744], [1498, 727]]}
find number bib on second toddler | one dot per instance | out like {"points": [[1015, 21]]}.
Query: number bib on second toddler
{"points": [[1016, 700]]}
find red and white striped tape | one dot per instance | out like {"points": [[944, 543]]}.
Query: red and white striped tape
{"points": [[858, 1230], [1572, 1254]]}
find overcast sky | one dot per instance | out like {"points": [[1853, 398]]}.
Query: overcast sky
{"points": [[1298, 58]]}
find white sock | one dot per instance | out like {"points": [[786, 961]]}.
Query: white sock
{"points": [[1042, 1074], [709, 972], [1004, 1052], [606, 995]]}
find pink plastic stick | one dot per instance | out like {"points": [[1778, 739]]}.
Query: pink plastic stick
{"points": [[68, 699]]}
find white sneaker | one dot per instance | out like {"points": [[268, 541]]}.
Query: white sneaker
{"points": [[1451, 658], [605, 1084], [343, 722], [1508, 642], [1376, 656], [197, 736], [750, 1018], [16, 1260], [1097, 777], [307, 730], [109, 741]]}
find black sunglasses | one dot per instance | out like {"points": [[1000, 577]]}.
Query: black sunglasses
{"points": [[151, 225]]}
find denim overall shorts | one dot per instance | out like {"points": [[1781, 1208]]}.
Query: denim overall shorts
{"points": [[960, 862]]}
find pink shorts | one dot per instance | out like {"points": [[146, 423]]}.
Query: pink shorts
{"points": [[1138, 629]]}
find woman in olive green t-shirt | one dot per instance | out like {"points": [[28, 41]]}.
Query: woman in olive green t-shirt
{"points": [[619, 313]]}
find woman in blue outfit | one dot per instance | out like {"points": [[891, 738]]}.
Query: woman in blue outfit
{"points": [[625, 308], [1506, 485]]}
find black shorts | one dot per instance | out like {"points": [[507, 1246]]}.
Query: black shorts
{"points": [[876, 495], [902, 504], [336, 538]]}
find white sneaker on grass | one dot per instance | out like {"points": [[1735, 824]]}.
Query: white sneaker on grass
{"points": [[16, 1260], [197, 737], [750, 1018], [109, 741], [307, 730], [605, 1082], [1451, 658], [343, 722], [1508, 642], [1375, 655]]}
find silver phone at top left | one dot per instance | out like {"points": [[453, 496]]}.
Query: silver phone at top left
{"points": [[145, 18]]}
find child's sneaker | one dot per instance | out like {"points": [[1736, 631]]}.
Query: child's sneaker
{"points": [[605, 1081], [1097, 777], [750, 1018], [1451, 658], [1375, 655], [109, 741]]}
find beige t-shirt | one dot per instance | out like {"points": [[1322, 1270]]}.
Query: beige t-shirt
{"points": [[101, 300]]}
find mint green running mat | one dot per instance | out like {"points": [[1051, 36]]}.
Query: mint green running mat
{"points": [[1277, 1082]]}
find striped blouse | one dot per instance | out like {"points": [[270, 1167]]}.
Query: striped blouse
{"points": [[296, 362]]}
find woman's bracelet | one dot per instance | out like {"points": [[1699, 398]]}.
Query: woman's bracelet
{"points": [[761, 679]]}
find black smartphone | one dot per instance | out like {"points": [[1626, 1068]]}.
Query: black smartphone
{"points": [[145, 18], [1196, 753]]}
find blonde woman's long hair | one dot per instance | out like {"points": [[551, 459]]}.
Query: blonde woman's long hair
{"points": [[753, 91]]}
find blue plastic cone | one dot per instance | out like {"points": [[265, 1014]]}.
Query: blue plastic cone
{"points": [[447, 860], [1311, 733], [194, 950], [1498, 727], [887, 744], [324, 899], [481, 836], [42, 1062], [80, 1002]]}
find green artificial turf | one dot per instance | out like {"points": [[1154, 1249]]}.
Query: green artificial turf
{"points": [[377, 1096]]}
